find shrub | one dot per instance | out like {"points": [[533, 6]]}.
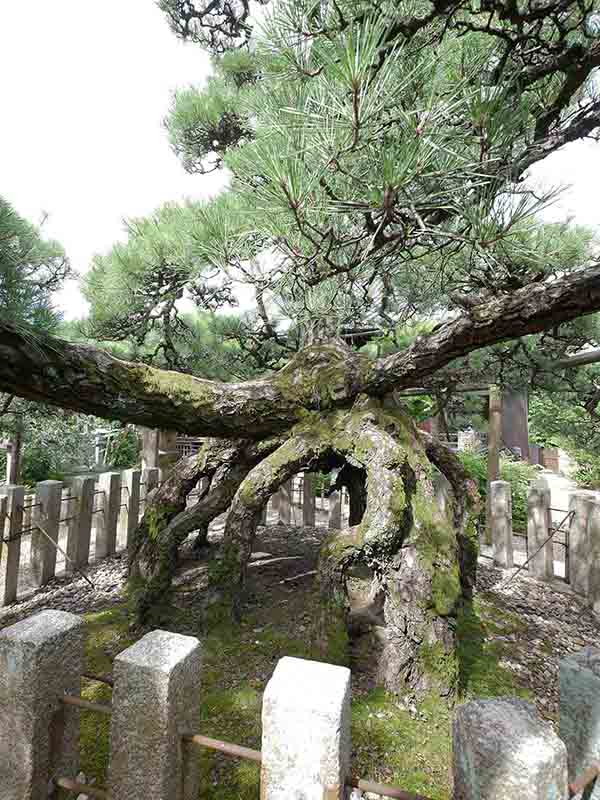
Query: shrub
{"points": [[517, 473]]}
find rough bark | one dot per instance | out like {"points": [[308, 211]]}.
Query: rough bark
{"points": [[320, 377], [167, 521], [409, 543]]}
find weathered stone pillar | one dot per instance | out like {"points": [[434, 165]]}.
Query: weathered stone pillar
{"points": [[306, 730], [308, 500], [579, 725], [501, 523], [106, 524], [503, 749], [167, 452], [580, 504], [156, 699], [541, 565], [284, 503], [149, 448], [335, 510], [130, 499], [150, 482], [41, 659], [594, 555], [80, 524], [11, 548], [48, 499]]}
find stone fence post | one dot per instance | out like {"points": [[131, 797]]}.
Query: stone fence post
{"points": [[41, 659], [10, 530], [284, 503], [503, 749], [109, 484], [156, 700], [48, 499], [579, 541], [501, 523], [335, 510], [308, 500], [579, 723], [541, 565], [80, 525], [130, 504], [593, 535], [306, 731]]}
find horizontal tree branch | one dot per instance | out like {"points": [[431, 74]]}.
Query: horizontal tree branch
{"points": [[319, 377]]}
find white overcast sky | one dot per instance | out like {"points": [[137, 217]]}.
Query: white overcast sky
{"points": [[84, 89]]}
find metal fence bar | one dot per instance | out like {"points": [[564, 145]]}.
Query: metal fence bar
{"points": [[235, 750], [238, 751], [79, 702]]}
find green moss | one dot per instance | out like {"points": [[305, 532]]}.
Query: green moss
{"points": [[398, 499], [446, 590], [107, 635], [391, 746], [480, 671], [439, 664]]}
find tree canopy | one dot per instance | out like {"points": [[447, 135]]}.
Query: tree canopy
{"points": [[378, 162]]}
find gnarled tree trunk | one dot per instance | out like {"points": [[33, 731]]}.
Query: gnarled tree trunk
{"points": [[417, 546]]}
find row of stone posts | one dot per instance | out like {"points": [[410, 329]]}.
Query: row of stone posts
{"points": [[582, 559], [154, 713], [283, 506], [112, 504], [502, 749]]}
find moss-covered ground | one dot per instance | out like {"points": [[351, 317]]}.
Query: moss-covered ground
{"points": [[394, 740]]}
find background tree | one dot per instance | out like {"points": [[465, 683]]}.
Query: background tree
{"points": [[377, 181]]}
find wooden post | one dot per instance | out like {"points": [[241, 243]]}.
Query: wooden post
{"points": [[494, 436]]}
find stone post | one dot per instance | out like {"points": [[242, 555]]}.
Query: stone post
{"points": [[41, 659], [11, 548], [308, 500], [494, 441], [579, 726], [156, 699], [168, 455], [48, 499], [80, 524], [109, 484], [541, 565], [594, 555], [306, 730], [130, 498], [149, 448], [501, 523], [503, 749], [150, 480], [284, 503], [580, 504], [335, 510]]}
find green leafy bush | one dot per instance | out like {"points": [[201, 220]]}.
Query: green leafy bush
{"points": [[517, 473]]}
